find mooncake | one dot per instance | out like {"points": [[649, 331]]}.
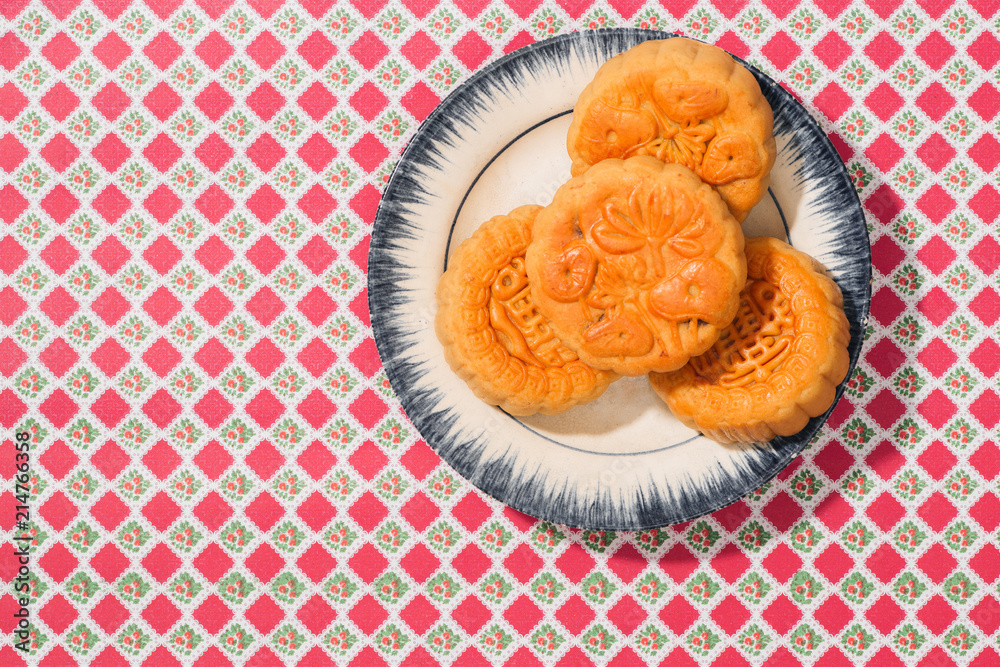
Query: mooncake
{"points": [[637, 264], [684, 102], [494, 338], [777, 364]]}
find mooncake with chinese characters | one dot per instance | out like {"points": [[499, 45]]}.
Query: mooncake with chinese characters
{"points": [[684, 102], [638, 265], [778, 364], [495, 339]]}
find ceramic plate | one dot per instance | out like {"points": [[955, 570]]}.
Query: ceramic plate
{"points": [[623, 462]]}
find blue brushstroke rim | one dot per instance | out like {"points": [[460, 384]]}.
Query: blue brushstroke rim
{"points": [[653, 507]]}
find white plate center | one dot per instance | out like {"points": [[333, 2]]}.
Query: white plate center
{"points": [[629, 418]]}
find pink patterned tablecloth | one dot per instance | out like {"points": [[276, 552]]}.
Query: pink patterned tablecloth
{"points": [[219, 471]]}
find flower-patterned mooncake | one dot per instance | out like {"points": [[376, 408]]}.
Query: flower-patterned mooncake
{"points": [[684, 102], [638, 264]]}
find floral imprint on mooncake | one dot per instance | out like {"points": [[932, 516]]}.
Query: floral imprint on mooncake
{"points": [[777, 364], [682, 102], [638, 264], [493, 335]]}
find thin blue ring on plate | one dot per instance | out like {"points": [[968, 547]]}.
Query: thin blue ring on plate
{"points": [[504, 475]]}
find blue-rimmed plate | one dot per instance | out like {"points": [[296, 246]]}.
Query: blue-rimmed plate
{"points": [[623, 462]]}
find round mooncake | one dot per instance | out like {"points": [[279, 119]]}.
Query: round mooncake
{"points": [[495, 339], [684, 102], [638, 264], [777, 364]]}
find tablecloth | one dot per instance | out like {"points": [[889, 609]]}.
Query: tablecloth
{"points": [[218, 470]]}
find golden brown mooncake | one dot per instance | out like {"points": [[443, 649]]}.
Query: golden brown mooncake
{"points": [[684, 102], [493, 336], [638, 265], [777, 364]]}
